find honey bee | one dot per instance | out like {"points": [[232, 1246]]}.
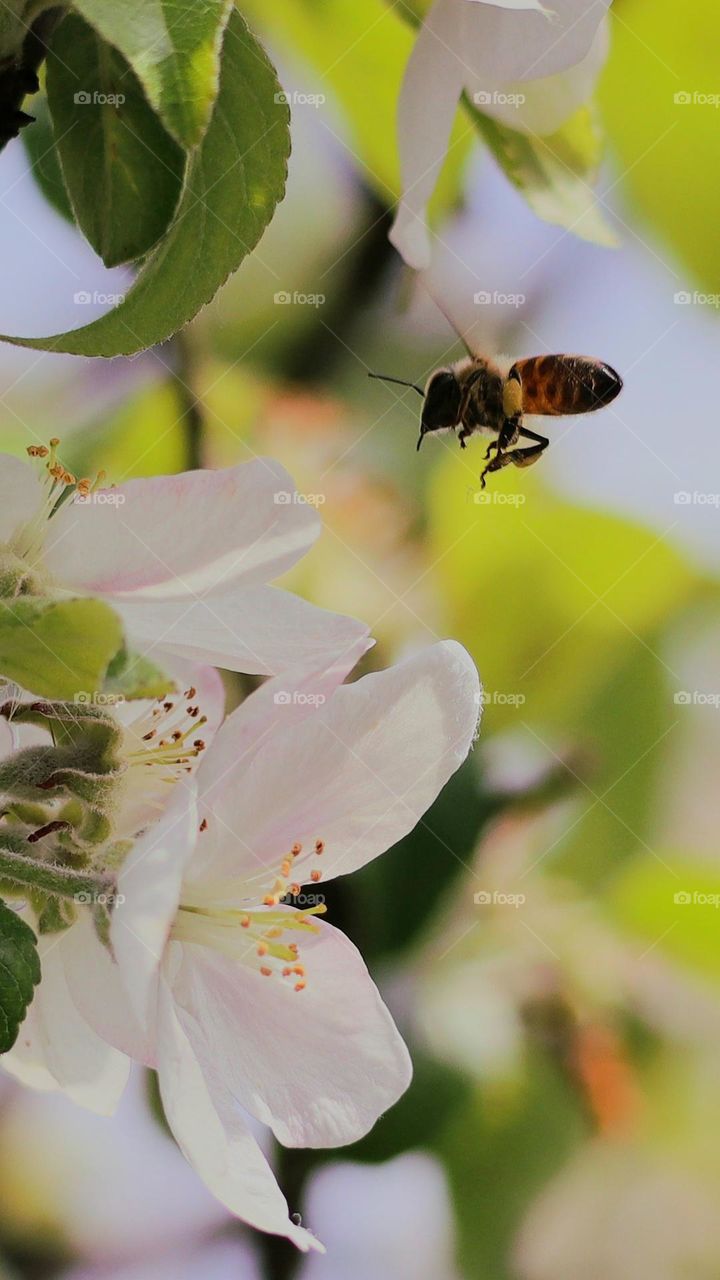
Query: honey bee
{"points": [[477, 394]]}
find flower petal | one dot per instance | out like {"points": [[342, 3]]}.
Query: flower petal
{"points": [[259, 630], [211, 1133], [502, 44], [21, 494], [57, 1049], [357, 773], [319, 1065], [148, 895], [271, 709], [99, 993], [176, 536], [544, 105], [428, 101]]}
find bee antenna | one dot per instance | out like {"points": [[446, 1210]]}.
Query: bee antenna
{"points": [[384, 377]]}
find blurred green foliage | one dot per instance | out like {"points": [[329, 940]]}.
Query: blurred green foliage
{"points": [[662, 128]]}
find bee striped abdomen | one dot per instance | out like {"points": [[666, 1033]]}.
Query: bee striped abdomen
{"points": [[555, 385]]}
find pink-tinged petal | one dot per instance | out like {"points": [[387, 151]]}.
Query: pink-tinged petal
{"points": [[429, 97], [318, 1065], [179, 536], [148, 894], [57, 1050], [356, 774], [99, 993], [21, 494], [271, 709], [542, 106], [259, 630], [211, 1132]]}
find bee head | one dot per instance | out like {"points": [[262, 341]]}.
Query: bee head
{"points": [[442, 402]]}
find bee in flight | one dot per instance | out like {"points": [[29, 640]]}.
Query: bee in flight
{"points": [[477, 394]]}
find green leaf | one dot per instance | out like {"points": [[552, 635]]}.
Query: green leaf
{"points": [[555, 174], [173, 47], [236, 178], [659, 98], [579, 590], [39, 142], [122, 170], [512, 1141], [671, 903], [359, 52], [19, 974], [133, 676], [13, 26], [57, 649]]}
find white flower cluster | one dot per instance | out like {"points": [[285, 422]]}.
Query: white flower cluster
{"points": [[217, 968]]}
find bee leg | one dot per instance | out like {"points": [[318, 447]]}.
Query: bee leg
{"points": [[526, 456], [523, 457], [494, 444]]}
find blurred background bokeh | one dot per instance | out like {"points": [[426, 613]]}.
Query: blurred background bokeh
{"points": [[548, 936]]}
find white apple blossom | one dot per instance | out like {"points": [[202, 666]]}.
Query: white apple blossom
{"points": [[528, 65], [243, 1002], [184, 560], [56, 1049]]}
